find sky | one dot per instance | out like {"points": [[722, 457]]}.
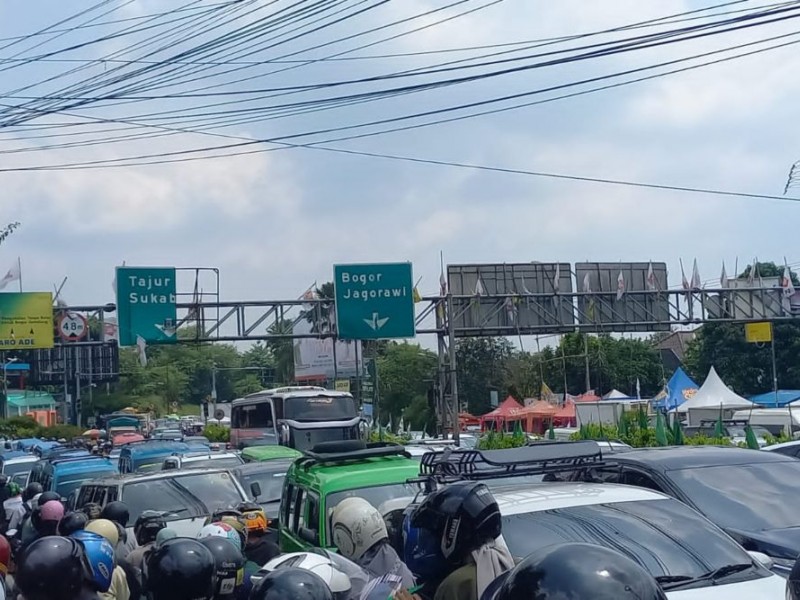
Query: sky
{"points": [[275, 222]]}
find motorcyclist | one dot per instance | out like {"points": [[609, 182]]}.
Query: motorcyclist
{"points": [[72, 522], [577, 571], [43, 522], [223, 530], [146, 529], [179, 569], [53, 568], [291, 583], [31, 490], [11, 504], [461, 523], [121, 582], [229, 564], [259, 549], [336, 580], [359, 532], [117, 512], [100, 562], [5, 561]]}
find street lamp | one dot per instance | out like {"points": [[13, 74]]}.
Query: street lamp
{"points": [[5, 385]]}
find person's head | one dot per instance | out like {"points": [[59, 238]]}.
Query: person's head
{"points": [[357, 527], [574, 570], [116, 511], [31, 490], [164, 535], [291, 583], [72, 522], [46, 517], [234, 519], [107, 529], [179, 569], [229, 562], [147, 526], [337, 581], [14, 489], [51, 568], [461, 516], [99, 555], [5, 556], [255, 520], [222, 530], [49, 496]]}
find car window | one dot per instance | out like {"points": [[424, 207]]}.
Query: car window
{"points": [[792, 450], [751, 497], [376, 495], [271, 483], [665, 536], [299, 510], [288, 505], [313, 512], [639, 479]]}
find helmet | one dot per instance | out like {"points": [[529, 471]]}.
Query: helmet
{"points": [[422, 551], [574, 570], [255, 519], [165, 534], [357, 527], [49, 496], [105, 528], [72, 522], [31, 490], [238, 525], [51, 568], [147, 526], [229, 566], [100, 558], [45, 517], [222, 530], [116, 511], [291, 582], [179, 569], [793, 585], [463, 516], [5, 555], [14, 489], [92, 510], [337, 581]]}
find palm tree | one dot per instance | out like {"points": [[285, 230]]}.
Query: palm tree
{"points": [[282, 351], [321, 316]]}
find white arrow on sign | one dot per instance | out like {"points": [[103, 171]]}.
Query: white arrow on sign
{"points": [[167, 331], [376, 322]]}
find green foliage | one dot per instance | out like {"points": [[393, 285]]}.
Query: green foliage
{"points": [[217, 433], [481, 366], [386, 436], [27, 427], [501, 440], [405, 373], [636, 436], [58, 432]]}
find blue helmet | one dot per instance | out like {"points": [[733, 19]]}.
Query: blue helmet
{"points": [[422, 551], [99, 557]]}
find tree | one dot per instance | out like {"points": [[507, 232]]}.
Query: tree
{"points": [[405, 373], [481, 366], [321, 314], [282, 350]]}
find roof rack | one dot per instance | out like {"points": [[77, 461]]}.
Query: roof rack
{"points": [[454, 464], [349, 451]]}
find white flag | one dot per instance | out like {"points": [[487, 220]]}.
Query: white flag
{"points": [[786, 282], [141, 346], [696, 283], [442, 284], [620, 286], [751, 275], [479, 291], [587, 284], [557, 278], [684, 281], [114, 281], [652, 284], [723, 278], [13, 274], [511, 310]]}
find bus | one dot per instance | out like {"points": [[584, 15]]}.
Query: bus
{"points": [[298, 417]]}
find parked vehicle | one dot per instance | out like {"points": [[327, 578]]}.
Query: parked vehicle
{"points": [[148, 455], [219, 460], [18, 468], [66, 474]]}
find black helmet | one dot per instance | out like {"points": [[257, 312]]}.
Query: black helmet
{"points": [[72, 522], [793, 585], [147, 526], [229, 561], [116, 511], [291, 582], [51, 568], [48, 496], [464, 516], [179, 569], [574, 570], [31, 490], [92, 510]]}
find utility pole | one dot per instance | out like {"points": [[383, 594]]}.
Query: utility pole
{"points": [[451, 334], [586, 357], [214, 387]]}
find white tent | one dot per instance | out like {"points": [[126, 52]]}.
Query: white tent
{"points": [[710, 398], [615, 394]]}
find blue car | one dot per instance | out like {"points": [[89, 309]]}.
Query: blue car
{"points": [[142, 457], [64, 475]]}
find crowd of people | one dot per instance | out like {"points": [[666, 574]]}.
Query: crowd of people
{"points": [[448, 546]]}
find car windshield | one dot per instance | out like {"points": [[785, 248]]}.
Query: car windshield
{"points": [[665, 536], [68, 483], [750, 497], [14, 469], [320, 408], [374, 495], [271, 483], [181, 497]]}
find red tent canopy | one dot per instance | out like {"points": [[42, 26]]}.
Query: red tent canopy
{"points": [[565, 416], [509, 410], [536, 414], [589, 396]]}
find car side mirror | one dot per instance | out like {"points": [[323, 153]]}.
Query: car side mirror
{"points": [[255, 490], [171, 463], [762, 559], [308, 535]]}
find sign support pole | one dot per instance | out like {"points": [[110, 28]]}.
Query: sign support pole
{"points": [[774, 364], [451, 333]]}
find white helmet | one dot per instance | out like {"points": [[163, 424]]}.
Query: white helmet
{"points": [[357, 527], [337, 581]]}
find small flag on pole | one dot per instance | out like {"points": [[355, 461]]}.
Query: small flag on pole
{"points": [[416, 295], [684, 281], [587, 284], [786, 281], [13, 274], [557, 278], [620, 286], [638, 389], [141, 347], [723, 278], [696, 283], [652, 284], [479, 289]]}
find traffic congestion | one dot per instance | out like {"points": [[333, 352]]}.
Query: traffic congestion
{"points": [[303, 508]]}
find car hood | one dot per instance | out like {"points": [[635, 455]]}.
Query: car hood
{"points": [[763, 588], [183, 527], [777, 543]]}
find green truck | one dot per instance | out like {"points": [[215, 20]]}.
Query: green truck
{"points": [[328, 474]]}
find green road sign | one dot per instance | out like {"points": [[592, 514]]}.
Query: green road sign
{"points": [[146, 305], [374, 302]]}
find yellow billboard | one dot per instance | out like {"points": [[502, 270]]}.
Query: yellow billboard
{"points": [[26, 320], [758, 332]]}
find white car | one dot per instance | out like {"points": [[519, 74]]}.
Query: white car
{"points": [[18, 469], [201, 460], [785, 448], [689, 556]]}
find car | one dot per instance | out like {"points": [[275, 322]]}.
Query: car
{"points": [[676, 544], [63, 475], [148, 455], [270, 476], [331, 472], [18, 468], [186, 497], [268, 453], [220, 460], [785, 448], [748, 493]]}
